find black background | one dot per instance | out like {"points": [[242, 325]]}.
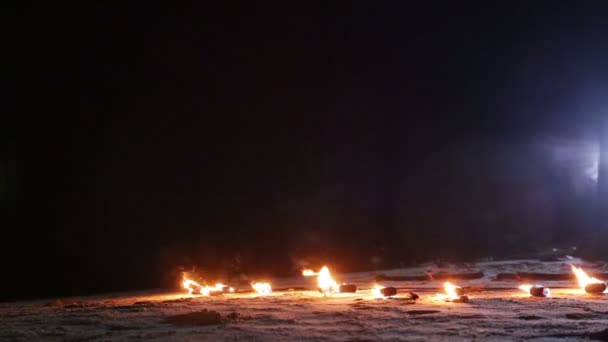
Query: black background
{"points": [[145, 137]]}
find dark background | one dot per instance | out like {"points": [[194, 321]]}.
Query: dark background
{"points": [[147, 137]]}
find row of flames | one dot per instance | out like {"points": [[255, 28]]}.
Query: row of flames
{"points": [[586, 283], [328, 286], [195, 288]]}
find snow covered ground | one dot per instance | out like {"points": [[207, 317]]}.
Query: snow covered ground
{"points": [[497, 311]]}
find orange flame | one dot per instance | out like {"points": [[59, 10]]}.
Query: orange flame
{"points": [[450, 290], [263, 289], [451, 293], [583, 278], [376, 291], [326, 283], [309, 273], [526, 288], [190, 285], [193, 286]]}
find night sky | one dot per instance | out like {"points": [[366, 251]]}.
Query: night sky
{"points": [[145, 138]]}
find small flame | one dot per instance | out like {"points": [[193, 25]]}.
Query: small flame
{"points": [[583, 278], [309, 273], [376, 291], [526, 288], [263, 289], [450, 290], [190, 285], [193, 287], [324, 280], [450, 293]]}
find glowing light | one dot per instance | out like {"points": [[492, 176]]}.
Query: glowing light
{"points": [[525, 288], [195, 288], [376, 291], [452, 293], [309, 273], [584, 279], [263, 289], [191, 285], [326, 283], [451, 290]]}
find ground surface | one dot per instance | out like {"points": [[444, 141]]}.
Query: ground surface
{"points": [[499, 312]]}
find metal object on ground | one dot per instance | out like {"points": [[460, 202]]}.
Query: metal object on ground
{"points": [[540, 291], [595, 288], [388, 291]]}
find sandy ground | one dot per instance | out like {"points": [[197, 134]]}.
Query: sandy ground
{"points": [[499, 312]]}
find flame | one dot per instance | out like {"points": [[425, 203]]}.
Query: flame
{"points": [[309, 273], [450, 290], [450, 293], [193, 286], [583, 278], [263, 289], [376, 291], [190, 285], [326, 283], [526, 288]]}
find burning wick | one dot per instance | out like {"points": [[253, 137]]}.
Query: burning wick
{"points": [[587, 283], [455, 293], [380, 291], [195, 288], [262, 289], [536, 290], [327, 285]]}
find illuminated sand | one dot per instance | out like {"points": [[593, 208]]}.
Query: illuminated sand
{"points": [[498, 314]]}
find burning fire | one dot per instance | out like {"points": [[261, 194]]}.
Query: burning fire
{"points": [[190, 285], [380, 291], [326, 283], [526, 288], [583, 278], [195, 288], [263, 289], [453, 293], [451, 290], [376, 291]]}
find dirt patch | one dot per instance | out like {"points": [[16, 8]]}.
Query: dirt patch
{"points": [[580, 315], [179, 300], [68, 303], [529, 317], [601, 335], [421, 312], [235, 316], [197, 318], [129, 308], [363, 307], [120, 327], [144, 302], [205, 317]]}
